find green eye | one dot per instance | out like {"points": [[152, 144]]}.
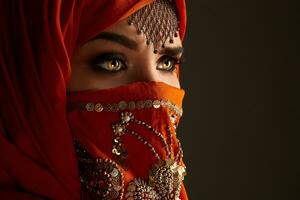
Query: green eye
{"points": [[167, 63], [109, 63]]}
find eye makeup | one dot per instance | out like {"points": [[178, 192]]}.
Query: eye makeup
{"points": [[112, 62], [109, 62], [168, 63]]}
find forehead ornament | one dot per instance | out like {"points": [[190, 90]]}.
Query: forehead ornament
{"points": [[158, 22]]}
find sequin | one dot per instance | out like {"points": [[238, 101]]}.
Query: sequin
{"points": [[164, 102], [98, 107], [164, 182], [89, 106], [122, 105], [156, 103], [100, 177], [131, 187], [141, 190], [140, 104], [114, 172], [104, 179], [148, 103], [165, 178], [131, 105]]}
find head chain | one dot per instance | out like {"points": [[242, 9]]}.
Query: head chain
{"points": [[158, 21]]}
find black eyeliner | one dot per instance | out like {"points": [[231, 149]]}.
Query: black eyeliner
{"points": [[175, 61], [104, 57]]}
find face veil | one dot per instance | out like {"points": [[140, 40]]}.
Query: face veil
{"points": [[129, 134], [36, 45]]}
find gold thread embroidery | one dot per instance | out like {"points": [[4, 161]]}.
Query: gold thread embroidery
{"points": [[103, 178], [165, 178]]}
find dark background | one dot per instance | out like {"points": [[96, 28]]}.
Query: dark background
{"points": [[237, 137]]}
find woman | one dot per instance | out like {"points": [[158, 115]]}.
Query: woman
{"points": [[91, 100]]}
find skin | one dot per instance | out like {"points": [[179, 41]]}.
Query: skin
{"points": [[140, 63]]}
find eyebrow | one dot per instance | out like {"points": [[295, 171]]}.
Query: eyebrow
{"points": [[171, 51], [120, 39], [131, 44]]}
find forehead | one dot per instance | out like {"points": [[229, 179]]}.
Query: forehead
{"points": [[123, 28]]}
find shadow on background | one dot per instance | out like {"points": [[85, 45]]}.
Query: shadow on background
{"points": [[235, 127]]}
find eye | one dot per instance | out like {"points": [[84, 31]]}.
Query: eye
{"points": [[109, 62], [167, 63], [111, 65]]}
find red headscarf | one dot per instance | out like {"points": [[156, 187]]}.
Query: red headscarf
{"points": [[37, 41]]}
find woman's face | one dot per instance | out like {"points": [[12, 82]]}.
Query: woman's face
{"points": [[119, 56]]}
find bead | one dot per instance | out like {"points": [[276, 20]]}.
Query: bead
{"points": [[165, 177], [115, 151], [131, 188], [113, 194], [158, 21], [173, 118], [118, 129], [116, 140]]}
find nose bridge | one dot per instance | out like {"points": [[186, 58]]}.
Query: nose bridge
{"points": [[146, 70]]}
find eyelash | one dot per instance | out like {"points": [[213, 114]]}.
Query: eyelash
{"points": [[106, 57], [118, 58], [174, 60]]}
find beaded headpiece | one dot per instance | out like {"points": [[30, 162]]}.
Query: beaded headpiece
{"points": [[158, 21]]}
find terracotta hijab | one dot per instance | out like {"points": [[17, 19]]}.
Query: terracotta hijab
{"points": [[37, 41]]}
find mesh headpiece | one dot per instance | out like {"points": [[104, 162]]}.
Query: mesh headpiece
{"points": [[158, 21]]}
